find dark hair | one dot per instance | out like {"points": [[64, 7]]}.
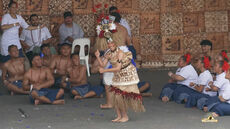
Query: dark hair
{"points": [[11, 3], [112, 8], [68, 14], [117, 16], [206, 42], [11, 46], [65, 44], [74, 54], [44, 45], [184, 58], [33, 56], [33, 15]]}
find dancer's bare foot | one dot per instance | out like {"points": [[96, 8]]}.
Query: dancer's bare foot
{"points": [[165, 99], [215, 115], [146, 94], [77, 97], [205, 109], [59, 102], [36, 102], [117, 119], [124, 119], [105, 106]]}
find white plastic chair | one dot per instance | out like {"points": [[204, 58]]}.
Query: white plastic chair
{"points": [[82, 42]]}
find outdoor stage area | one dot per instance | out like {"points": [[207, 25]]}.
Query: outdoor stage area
{"points": [[86, 114]]}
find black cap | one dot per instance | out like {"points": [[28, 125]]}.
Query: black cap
{"points": [[68, 14]]}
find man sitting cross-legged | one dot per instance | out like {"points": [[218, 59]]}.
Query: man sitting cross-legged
{"points": [[77, 80], [38, 79], [13, 71], [60, 63]]}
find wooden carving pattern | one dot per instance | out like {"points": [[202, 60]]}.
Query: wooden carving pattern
{"points": [[172, 44], [193, 22], [193, 5], [216, 21], [150, 23]]}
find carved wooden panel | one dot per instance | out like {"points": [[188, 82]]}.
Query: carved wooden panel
{"points": [[171, 23], [171, 6], [150, 23], [216, 21], [150, 44], [40, 7], [193, 22], [172, 44], [128, 6], [149, 5], [193, 5], [82, 6], [213, 5], [58, 7], [219, 40]]}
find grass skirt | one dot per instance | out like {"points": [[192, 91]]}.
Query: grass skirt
{"points": [[126, 97]]}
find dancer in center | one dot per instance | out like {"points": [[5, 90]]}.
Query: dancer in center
{"points": [[124, 92]]}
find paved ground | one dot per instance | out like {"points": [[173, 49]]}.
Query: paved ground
{"points": [[86, 114]]}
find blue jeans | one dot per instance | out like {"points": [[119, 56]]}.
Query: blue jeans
{"points": [[168, 90], [222, 109]]}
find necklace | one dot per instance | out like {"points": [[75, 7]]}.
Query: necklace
{"points": [[39, 37]]}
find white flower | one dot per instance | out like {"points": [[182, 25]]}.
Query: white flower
{"points": [[112, 26], [98, 28]]}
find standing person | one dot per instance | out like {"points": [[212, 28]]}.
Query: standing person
{"points": [[124, 23], [11, 22], [13, 71], [38, 79], [124, 92], [69, 30], [32, 39]]}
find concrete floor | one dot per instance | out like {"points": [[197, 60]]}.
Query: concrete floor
{"points": [[86, 114]]}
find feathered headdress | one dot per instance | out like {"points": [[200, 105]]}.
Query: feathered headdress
{"points": [[188, 58], [206, 62], [105, 26]]}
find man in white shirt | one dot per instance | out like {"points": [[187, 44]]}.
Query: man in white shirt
{"points": [[31, 40], [69, 30], [124, 23]]}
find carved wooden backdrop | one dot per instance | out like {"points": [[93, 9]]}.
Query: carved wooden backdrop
{"points": [[161, 29]]}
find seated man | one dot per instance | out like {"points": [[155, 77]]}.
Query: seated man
{"points": [[69, 30], [13, 71], [38, 79], [32, 40], [77, 80], [47, 55], [60, 63]]}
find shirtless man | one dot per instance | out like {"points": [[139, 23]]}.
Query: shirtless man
{"points": [[60, 63], [13, 71], [77, 80], [47, 58], [38, 79]]}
